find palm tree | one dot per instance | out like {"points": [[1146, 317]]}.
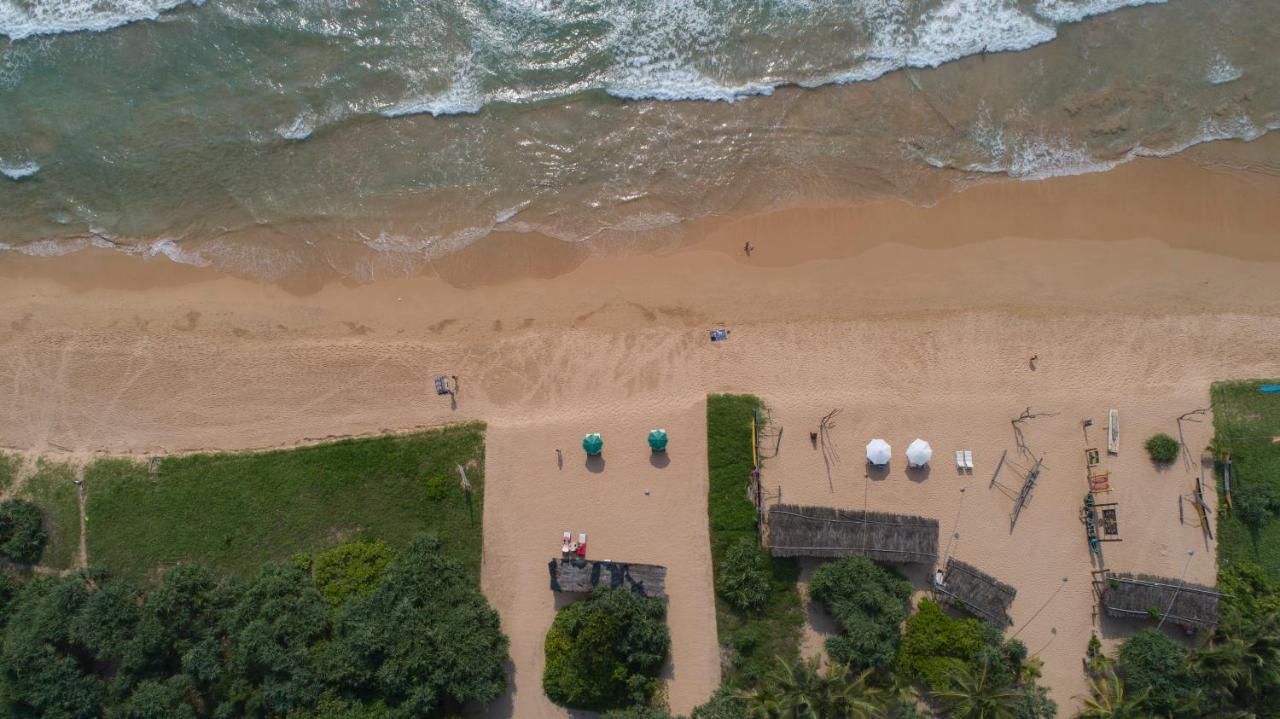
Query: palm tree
{"points": [[1108, 700], [977, 693], [801, 691]]}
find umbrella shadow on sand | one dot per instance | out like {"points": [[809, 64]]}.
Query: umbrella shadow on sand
{"points": [[595, 463], [918, 474], [659, 459]]}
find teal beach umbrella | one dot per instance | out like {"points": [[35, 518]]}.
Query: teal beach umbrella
{"points": [[658, 440], [593, 444]]}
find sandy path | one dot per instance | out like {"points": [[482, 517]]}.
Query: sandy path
{"points": [[908, 335], [636, 507]]}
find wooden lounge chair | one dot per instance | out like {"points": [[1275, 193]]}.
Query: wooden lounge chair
{"points": [[566, 543], [959, 459], [968, 459]]}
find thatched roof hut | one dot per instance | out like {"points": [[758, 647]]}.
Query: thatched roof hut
{"points": [[796, 531], [1142, 596], [977, 592], [583, 575]]}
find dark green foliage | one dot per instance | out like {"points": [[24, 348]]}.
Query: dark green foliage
{"points": [[638, 712], [751, 639], [1244, 421], [869, 602], [232, 512], [425, 638], [742, 578], [22, 536], [351, 569], [1238, 668], [422, 642], [606, 651], [802, 689], [724, 704], [1162, 447], [271, 629], [935, 645], [52, 488], [1152, 662], [1255, 504], [9, 466]]}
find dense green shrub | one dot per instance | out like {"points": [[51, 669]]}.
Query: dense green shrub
{"points": [[1163, 448], [605, 651], [350, 570], [22, 535], [724, 704], [742, 579], [869, 602], [935, 645], [1152, 662], [1255, 504]]}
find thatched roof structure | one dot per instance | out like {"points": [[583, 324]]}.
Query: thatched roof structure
{"points": [[583, 575], [977, 592], [796, 531], [1126, 596]]}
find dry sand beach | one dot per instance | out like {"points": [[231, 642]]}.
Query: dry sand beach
{"points": [[1136, 288]]}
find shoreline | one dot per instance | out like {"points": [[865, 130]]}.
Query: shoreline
{"points": [[1182, 200]]}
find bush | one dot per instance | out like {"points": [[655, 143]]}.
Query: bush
{"points": [[1255, 504], [1163, 448], [605, 651], [1152, 662], [743, 576], [935, 645], [22, 535], [724, 704], [869, 602], [351, 570]]}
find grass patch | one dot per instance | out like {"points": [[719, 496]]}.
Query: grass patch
{"points": [[1246, 424], [8, 471], [232, 512], [52, 488], [749, 641]]}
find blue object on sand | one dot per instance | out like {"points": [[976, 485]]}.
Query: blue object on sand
{"points": [[719, 335], [1269, 388]]}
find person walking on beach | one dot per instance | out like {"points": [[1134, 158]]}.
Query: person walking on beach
{"points": [[559, 458], [747, 248], [1034, 358]]}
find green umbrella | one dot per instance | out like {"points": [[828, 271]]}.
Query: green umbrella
{"points": [[658, 440], [592, 443]]}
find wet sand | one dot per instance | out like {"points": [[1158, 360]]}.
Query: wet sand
{"points": [[916, 321]]}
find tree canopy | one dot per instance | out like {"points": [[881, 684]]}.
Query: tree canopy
{"points": [[22, 534], [605, 651], [422, 641]]}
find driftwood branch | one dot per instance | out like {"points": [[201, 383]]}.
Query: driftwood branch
{"points": [[1019, 438], [830, 455], [1195, 415]]}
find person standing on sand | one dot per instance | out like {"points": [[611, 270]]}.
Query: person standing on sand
{"points": [[559, 458], [747, 248], [1034, 358]]}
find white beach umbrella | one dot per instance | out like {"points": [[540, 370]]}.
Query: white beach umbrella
{"points": [[919, 453], [878, 452]]}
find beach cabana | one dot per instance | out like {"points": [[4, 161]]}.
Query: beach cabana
{"points": [[658, 440], [977, 592], [801, 531], [593, 443], [878, 452], [583, 575], [919, 453], [1142, 596]]}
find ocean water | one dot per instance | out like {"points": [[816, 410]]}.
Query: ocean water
{"points": [[365, 139]]}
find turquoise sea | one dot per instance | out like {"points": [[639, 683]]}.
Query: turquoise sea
{"points": [[365, 138]]}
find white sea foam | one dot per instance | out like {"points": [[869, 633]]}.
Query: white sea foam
{"points": [[19, 170], [1221, 71], [301, 128], [1061, 11], [24, 18], [176, 253], [503, 215]]}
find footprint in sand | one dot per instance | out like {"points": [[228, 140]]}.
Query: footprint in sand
{"points": [[193, 319], [22, 324], [497, 325], [358, 328]]}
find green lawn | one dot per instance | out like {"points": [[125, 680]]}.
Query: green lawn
{"points": [[1246, 422], [52, 488], [750, 641], [232, 512]]}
